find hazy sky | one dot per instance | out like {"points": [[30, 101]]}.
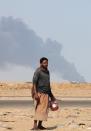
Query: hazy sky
{"points": [[67, 21]]}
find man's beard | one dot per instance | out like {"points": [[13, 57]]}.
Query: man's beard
{"points": [[44, 67]]}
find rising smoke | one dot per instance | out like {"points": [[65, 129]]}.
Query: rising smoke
{"points": [[20, 45]]}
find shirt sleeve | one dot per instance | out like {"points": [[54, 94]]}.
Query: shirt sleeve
{"points": [[49, 80], [35, 77]]}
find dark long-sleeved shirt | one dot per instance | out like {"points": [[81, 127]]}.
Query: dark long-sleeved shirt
{"points": [[41, 78]]}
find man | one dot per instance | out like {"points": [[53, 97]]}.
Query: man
{"points": [[41, 93]]}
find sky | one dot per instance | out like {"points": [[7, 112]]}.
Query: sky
{"points": [[66, 21]]}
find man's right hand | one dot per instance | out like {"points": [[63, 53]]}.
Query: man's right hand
{"points": [[36, 97]]}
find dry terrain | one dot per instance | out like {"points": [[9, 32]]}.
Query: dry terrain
{"points": [[59, 89], [65, 119]]}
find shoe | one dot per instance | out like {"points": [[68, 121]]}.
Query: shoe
{"points": [[41, 128]]}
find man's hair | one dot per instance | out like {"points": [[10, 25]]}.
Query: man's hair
{"points": [[42, 59]]}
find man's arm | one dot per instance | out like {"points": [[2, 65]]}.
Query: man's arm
{"points": [[52, 96], [35, 82], [34, 92]]}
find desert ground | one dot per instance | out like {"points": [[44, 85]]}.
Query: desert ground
{"points": [[65, 119], [60, 90]]}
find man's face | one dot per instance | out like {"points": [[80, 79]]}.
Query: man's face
{"points": [[44, 64]]}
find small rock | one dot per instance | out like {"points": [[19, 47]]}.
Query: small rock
{"points": [[4, 114], [9, 128], [78, 112], [81, 124]]}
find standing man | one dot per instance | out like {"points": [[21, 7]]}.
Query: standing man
{"points": [[41, 92]]}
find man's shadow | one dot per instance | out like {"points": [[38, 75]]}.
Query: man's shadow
{"points": [[51, 128]]}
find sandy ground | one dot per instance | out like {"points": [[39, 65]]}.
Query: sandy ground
{"points": [[65, 119], [60, 90]]}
